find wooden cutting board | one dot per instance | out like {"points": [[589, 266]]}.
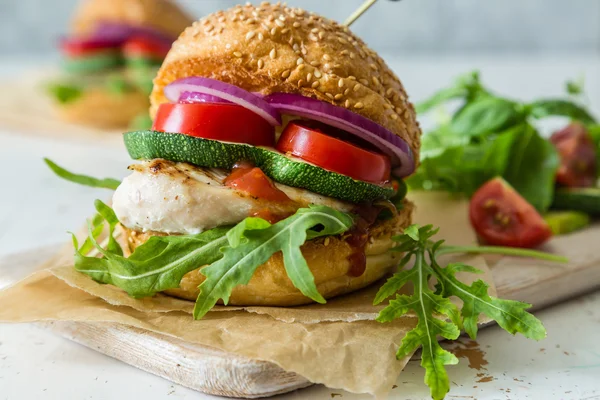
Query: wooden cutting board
{"points": [[219, 373]]}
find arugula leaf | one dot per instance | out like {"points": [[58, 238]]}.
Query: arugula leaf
{"points": [[156, 265], [563, 108], [106, 183], [64, 93], [486, 115], [437, 316], [442, 96], [254, 244]]}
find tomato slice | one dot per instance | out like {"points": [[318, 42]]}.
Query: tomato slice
{"points": [[78, 47], [315, 143], [577, 156], [501, 217], [217, 121], [254, 182], [144, 46]]}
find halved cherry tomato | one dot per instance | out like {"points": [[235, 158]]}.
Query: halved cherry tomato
{"points": [[314, 143], [501, 217], [577, 156], [79, 47], [254, 182], [144, 46], [224, 122]]}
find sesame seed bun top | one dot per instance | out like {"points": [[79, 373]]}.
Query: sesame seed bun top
{"points": [[162, 15], [273, 48]]}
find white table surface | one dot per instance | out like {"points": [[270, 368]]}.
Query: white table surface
{"points": [[37, 209]]}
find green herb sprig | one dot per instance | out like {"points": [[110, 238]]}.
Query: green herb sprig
{"points": [[437, 315], [490, 135]]}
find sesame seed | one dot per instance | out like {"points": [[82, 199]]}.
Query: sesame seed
{"points": [[394, 117], [352, 56], [285, 74], [327, 66], [221, 29], [313, 37], [255, 14], [344, 52], [321, 35], [352, 77], [356, 87], [327, 57], [300, 61], [314, 30], [346, 92], [329, 95], [389, 92], [326, 241], [260, 36], [273, 54], [315, 63], [221, 19], [304, 51], [279, 23], [338, 96], [295, 47], [250, 21], [209, 28], [243, 17], [387, 106], [282, 17], [296, 24], [359, 105], [318, 74], [398, 110], [347, 104], [205, 22], [237, 11], [270, 18], [261, 63], [285, 30], [342, 41], [274, 31], [228, 46], [237, 54], [315, 84], [301, 67], [341, 83], [250, 35], [308, 77], [300, 83], [364, 82], [376, 81]]}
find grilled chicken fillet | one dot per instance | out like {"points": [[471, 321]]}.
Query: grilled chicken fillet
{"points": [[168, 197]]}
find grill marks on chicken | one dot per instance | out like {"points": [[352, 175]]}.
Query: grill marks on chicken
{"points": [[169, 197]]}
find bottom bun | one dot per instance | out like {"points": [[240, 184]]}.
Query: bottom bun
{"points": [[100, 108], [327, 259]]}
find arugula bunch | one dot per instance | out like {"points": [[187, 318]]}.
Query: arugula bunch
{"points": [[491, 136], [437, 315], [231, 255]]}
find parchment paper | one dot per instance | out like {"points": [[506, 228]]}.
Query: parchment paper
{"points": [[337, 344]]}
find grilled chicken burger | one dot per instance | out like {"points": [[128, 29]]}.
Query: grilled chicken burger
{"points": [[110, 57], [273, 171]]}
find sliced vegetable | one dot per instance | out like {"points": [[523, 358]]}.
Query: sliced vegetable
{"points": [[146, 47], [119, 31], [578, 154], [254, 182], [148, 145], [585, 199], [77, 47], [307, 140], [500, 216], [224, 122], [195, 97], [224, 91], [64, 93], [563, 222], [99, 61], [342, 118]]}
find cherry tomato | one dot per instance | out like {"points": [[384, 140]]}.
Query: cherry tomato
{"points": [[315, 143], [577, 151], [224, 122], [79, 47], [254, 182], [144, 46], [501, 217]]}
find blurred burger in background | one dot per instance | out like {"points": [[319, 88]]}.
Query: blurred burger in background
{"points": [[110, 57]]}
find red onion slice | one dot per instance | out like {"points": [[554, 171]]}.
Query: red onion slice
{"points": [[121, 32], [225, 91], [392, 145], [195, 97]]}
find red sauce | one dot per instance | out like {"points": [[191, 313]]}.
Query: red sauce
{"points": [[267, 215], [359, 237], [250, 179]]}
